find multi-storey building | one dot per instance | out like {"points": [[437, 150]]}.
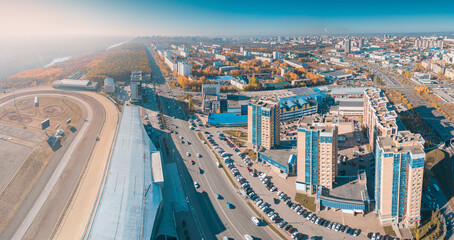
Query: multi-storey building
{"points": [[317, 152], [109, 85], [398, 182], [136, 86], [379, 119], [184, 69], [264, 123]]}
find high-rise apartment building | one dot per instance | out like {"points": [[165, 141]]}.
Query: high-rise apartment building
{"points": [[347, 45], [398, 181], [317, 152], [136, 86], [264, 123], [379, 119]]}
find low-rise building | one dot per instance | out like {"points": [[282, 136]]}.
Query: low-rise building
{"points": [[109, 85], [423, 78]]}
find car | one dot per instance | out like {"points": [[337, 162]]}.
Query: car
{"points": [[282, 224], [290, 229], [231, 206], [199, 155], [218, 196], [287, 227], [192, 162], [256, 220], [204, 193], [196, 185]]}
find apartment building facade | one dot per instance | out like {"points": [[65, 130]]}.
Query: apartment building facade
{"points": [[264, 123], [316, 152], [379, 119], [399, 178]]}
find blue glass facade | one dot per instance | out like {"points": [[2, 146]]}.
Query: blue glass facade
{"points": [[343, 205], [256, 124], [400, 161], [311, 157]]}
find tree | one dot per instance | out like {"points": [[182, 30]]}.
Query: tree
{"points": [[253, 81], [277, 80], [406, 73], [417, 231]]}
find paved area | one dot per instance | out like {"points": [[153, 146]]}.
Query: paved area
{"points": [[444, 93], [443, 126], [12, 156], [38, 214], [78, 214], [288, 186], [20, 133]]}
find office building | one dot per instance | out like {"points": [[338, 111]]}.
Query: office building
{"points": [[398, 181], [211, 97], [136, 86], [184, 69], [264, 123], [379, 118], [276, 55], [316, 152], [109, 85], [423, 78]]}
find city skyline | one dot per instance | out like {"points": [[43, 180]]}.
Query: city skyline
{"points": [[182, 18]]}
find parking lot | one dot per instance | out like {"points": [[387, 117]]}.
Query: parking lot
{"points": [[272, 203]]}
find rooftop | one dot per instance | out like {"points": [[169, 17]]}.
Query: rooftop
{"points": [[403, 142], [348, 190], [226, 118], [325, 123], [130, 199], [348, 91]]}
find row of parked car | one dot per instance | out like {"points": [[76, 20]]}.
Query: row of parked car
{"points": [[269, 211], [249, 191], [243, 156], [312, 217]]}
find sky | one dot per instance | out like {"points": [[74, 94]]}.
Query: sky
{"points": [[222, 18]]}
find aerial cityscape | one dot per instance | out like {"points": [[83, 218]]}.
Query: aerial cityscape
{"points": [[241, 120]]}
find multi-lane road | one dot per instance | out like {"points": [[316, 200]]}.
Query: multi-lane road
{"points": [[213, 218]]}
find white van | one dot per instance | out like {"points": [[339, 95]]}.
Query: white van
{"points": [[255, 220]]}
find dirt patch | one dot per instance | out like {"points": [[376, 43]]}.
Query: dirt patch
{"points": [[53, 110], [14, 117], [21, 185]]}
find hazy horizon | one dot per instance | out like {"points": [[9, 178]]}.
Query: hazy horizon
{"points": [[208, 18]]}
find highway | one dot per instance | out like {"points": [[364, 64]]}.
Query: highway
{"points": [[215, 219], [389, 80], [40, 212]]}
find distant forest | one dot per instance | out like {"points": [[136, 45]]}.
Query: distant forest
{"points": [[116, 63], [119, 62]]}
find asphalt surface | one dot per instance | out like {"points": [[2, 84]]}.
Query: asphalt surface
{"points": [[41, 210], [213, 219], [299, 222]]}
